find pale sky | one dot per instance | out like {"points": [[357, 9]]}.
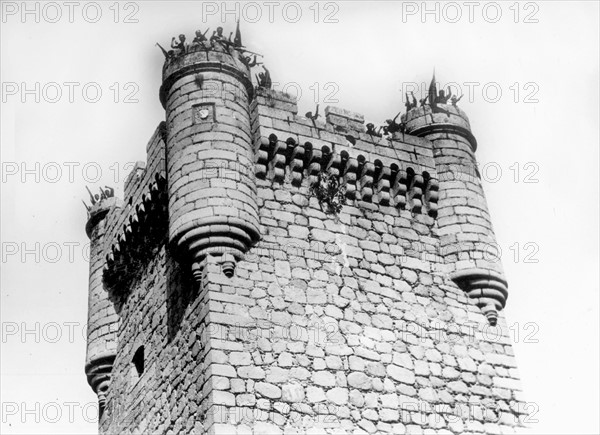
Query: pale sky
{"points": [[541, 133]]}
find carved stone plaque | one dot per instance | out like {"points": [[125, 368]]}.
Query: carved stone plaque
{"points": [[203, 113]]}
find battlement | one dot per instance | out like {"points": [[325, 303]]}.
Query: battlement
{"points": [[277, 113], [394, 173], [140, 224]]}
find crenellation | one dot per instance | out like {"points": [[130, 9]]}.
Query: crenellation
{"points": [[362, 179], [335, 113], [275, 99], [412, 149]]}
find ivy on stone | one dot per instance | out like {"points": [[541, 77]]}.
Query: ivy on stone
{"points": [[330, 193]]}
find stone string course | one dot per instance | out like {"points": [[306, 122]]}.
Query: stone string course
{"points": [[330, 324]]}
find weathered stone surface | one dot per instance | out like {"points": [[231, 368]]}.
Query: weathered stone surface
{"points": [[240, 358], [401, 374], [323, 378], [276, 375], [359, 380], [268, 390], [315, 394], [292, 393], [339, 396]]}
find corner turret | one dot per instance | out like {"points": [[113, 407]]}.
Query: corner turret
{"points": [[103, 321], [213, 210], [468, 242]]}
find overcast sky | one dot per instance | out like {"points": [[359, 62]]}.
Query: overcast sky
{"points": [[533, 105]]}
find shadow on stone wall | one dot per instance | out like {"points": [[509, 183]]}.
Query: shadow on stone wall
{"points": [[181, 292]]}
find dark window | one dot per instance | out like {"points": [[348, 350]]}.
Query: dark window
{"points": [[138, 360]]}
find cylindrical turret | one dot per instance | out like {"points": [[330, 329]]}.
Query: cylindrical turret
{"points": [[103, 321], [213, 210], [467, 239]]}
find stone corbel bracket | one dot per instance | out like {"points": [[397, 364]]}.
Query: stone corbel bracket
{"points": [[99, 377], [144, 228], [488, 288], [366, 181]]}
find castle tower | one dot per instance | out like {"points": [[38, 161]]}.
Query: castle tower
{"points": [[102, 325], [212, 194], [271, 271], [467, 240]]}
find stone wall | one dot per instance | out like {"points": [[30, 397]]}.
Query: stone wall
{"points": [[330, 324]]}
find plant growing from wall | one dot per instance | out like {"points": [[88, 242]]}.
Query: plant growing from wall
{"points": [[329, 192]]}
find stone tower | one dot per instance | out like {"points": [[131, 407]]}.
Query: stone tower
{"points": [[102, 320], [466, 238], [213, 209], [271, 273]]}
